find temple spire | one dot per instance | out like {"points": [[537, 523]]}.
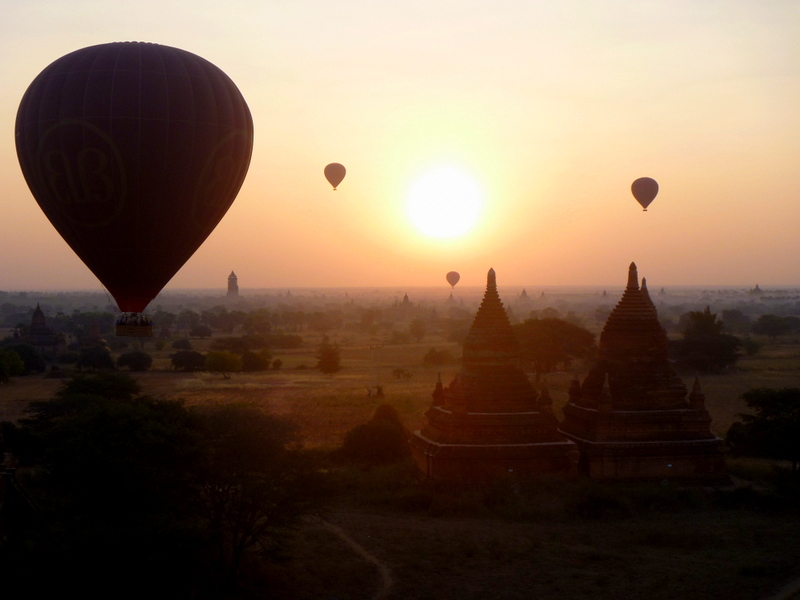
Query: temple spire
{"points": [[633, 278]]}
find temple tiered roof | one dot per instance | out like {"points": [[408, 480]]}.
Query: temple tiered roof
{"points": [[490, 421], [631, 417]]}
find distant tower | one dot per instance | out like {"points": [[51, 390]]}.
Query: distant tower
{"points": [[233, 285]]}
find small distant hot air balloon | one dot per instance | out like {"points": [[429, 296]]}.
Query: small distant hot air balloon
{"points": [[134, 152], [644, 190], [334, 173], [452, 278]]}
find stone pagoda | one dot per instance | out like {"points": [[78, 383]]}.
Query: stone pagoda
{"points": [[632, 417], [39, 334], [490, 422], [233, 286]]}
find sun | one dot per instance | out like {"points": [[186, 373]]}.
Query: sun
{"points": [[444, 202]]}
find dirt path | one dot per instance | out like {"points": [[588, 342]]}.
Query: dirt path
{"points": [[387, 581]]}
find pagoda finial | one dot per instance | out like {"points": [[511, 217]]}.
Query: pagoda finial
{"points": [[696, 397], [633, 278], [491, 280]]}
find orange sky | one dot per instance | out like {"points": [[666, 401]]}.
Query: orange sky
{"points": [[553, 110]]}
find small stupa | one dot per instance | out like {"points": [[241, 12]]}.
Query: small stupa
{"points": [[490, 422], [631, 417]]}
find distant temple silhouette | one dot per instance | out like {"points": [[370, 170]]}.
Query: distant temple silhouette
{"points": [[233, 286], [631, 417], [39, 334], [490, 422]]}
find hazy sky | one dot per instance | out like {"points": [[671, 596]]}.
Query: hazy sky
{"points": [[553, 109]]}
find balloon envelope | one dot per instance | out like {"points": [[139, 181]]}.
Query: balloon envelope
{"points": [[134, 152], [334, 173], [452, 278], [644, 190]]}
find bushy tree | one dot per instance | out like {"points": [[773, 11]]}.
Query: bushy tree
{"points": [[105, 384], [328, 357], [773, 429], [136, 360], [256, 361], [189, 491], [94, 358], [382, 440], [255, 481], [188, 360], [774, 325], [11, 365], [223, 362], [548, 342], [436, 358], [182, 344], [417, 329], [704, 347], [200, 331], [31, 357]]}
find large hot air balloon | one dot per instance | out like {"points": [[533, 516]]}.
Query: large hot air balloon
{"points": [[644, 190], [134, 151], [452, 278], [334, 173]]}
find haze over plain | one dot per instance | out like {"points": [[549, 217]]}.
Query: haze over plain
{"points": [[552, 110]]}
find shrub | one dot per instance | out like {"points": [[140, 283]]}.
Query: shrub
{"points": [[182, 344], [436, 357], [188, 360], [381, 441], [137, 360], [252, 361]]}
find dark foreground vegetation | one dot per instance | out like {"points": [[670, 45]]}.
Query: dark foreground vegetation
{"points": [[136, 496]]}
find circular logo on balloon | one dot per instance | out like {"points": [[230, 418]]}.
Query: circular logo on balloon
{"points": [[220, 180], [82, 171]]}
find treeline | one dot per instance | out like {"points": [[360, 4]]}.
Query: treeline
{"points": [[122, 494]]}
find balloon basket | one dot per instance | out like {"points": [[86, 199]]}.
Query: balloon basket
{"points": [[134, 325]]}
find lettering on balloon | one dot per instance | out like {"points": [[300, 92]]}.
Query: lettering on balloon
{"points": [[220, 180], [88, 183]]}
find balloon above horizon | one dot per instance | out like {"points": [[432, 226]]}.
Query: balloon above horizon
{"points": [[135, 152], [644, 190], [453, 278], [334, 173]]}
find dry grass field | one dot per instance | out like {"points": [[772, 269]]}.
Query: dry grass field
{"points": [[651, 544]]}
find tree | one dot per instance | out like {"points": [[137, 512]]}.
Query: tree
{"points": [[188, 360], [11, 365], [436, 358], [773, 431], [328, 357], [548, 342], [771, 325], [256, 482], [381, 441], [31, 357], [190, 491], [256, 361], [105, 384], [136, 360], [200, 331], [182, 344], [417, 329], [95, 357], [223, 362], [704, 347]]}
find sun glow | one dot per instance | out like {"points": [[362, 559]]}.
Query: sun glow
{"points": [[444, 202]]}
